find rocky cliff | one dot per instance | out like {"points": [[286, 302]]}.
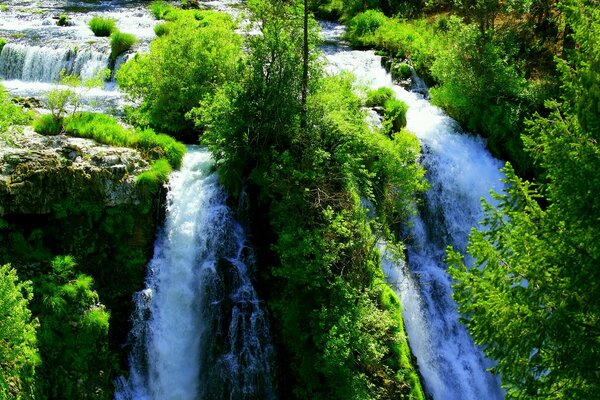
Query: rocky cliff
{"points": [[37, 172]]}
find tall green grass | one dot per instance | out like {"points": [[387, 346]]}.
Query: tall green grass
{"points": [[120, 42], [160, 9], [107, 130], [102, 26], [47, 125]]}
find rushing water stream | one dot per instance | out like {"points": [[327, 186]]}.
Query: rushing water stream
{"points": [[199, 330], [461, 171]]}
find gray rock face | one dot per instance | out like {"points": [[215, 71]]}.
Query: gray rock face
{"points": [[38, 170]]}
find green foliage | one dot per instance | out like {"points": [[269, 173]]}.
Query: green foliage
{"points": [[420, 41], [196, 57], [106, 129], [394, 119], [2, 44], [378, 97], [10, 116], [18, 347], [484, 91], [161, 29], [325, 281], [73, 335], [161, 9], [102, 26], [362, 28], [156, 176], [63, 20], [120, 43], [531, 298], [47, 124]]}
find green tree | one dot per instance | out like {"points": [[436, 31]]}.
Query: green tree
{"points": [[18, 351], [532, 297], [199, 53], [73, 335]]}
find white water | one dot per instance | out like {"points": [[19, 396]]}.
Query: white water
{"points": [[461, 171], [37, 49], [199, 331]]}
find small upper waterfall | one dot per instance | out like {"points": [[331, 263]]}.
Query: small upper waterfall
{"points": [[199, 329], [461, 171], [45, 64]]}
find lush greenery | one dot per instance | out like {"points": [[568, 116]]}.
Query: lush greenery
{"points": [[531, 299], [2, 44], [73, 334], [11, 115], [199, 52], [18, 344], [102, 26], [488, 76], [336, 323], [105, 129], [121, 42]]}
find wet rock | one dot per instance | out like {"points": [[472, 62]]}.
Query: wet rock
{"points": [[37, 171]]}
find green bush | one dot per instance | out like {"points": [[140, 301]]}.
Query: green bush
{"points": [[63, 20], [364, 25], [156, 176], [395, 115], [2, 44], [121, 42], [379, 96], [200, 53], [10, 115], [161, 29], [105, 129], [401, 71], [160, 9], [47, 125], [102, 26]]}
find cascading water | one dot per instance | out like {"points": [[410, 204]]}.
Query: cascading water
{"points": [[45, 64], [38, 50], [199, 330], [461, 171]]}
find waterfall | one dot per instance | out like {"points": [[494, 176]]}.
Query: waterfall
{"points": [[44, 64], [461, 171], [199, 329]]}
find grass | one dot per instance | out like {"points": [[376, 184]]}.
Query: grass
{"points": [[47, 125], [156, 176], [103, 27], [107, 130], [379, 96], [121, 42], [63, 20], [160, 9], [161, 29]]}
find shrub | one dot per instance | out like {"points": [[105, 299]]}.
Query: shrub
{"points": [[47, 125], [379, 96], [161, 29], [160, 9], [63, 20], [364, 25], [2, 43], [102, 26], [395, 114], [154, 178], [401, 71], [121, 42]]}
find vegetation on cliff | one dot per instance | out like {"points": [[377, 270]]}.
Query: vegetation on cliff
{"points": [[337, 324]]}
